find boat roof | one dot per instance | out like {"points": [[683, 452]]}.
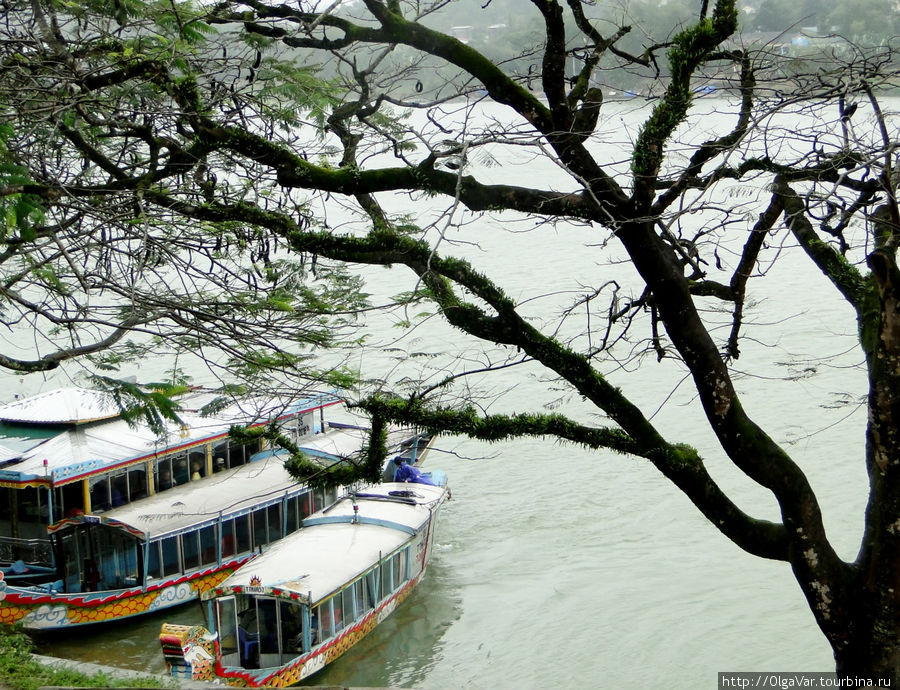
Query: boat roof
{"points": [[332, 550], [237, 491], [66, 453], [61, 406]]}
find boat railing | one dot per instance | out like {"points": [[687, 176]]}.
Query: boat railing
{"points": [[32, 551]]}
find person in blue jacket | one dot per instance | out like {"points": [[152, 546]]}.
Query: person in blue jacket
{"points": [[407, 473]]}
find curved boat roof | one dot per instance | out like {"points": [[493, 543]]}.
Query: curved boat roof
{"points": [[67, 453], [61, 406], [331, 549], [239, 490]]}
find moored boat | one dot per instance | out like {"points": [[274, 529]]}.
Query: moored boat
{"points": [[167, 548], [71, 451], [302, 604]]}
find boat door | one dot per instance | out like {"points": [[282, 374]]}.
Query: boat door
{"points": [[267, 621], [226, 624], [254, 623]]}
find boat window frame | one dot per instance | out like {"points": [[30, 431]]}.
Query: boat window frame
{"points": [[178, 563], [210, 544], [190, 560], [274, 522], [287, 651], [99, 558], [230, 656], [387, 583], [258, 527], [348, 605]]}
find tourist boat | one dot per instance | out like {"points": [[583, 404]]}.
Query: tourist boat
{"points": [[165, 548], [315, 594], [69, 451]]}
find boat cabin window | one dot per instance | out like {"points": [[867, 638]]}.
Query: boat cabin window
{"points": [[319, 499], [338, 613], [239, 455], [242, 529], [228, 540], [394, 572], [273, 517], [25, 518], [190, 550], [176, 554], [170, 561], [387, 583], [259, 528], [67, 556], [259, 631], [67, 500], [361, 598], [100, 499], [267, 526], [323, 620], [180, 472], [98, 557], [373, 591], [292, 642], [267, 620], [208, 551], [348, 608], [292, 514], [137, 483], [401, 567], [154, 567], [236, 536], [306, 504], [226, 625], [197, 463], [163, 478], [220, 456]]}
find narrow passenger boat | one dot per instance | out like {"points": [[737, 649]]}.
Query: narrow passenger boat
{"points": [[308, 599], [70, 451], [166, 548]]}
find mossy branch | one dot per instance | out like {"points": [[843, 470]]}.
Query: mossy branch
{"points": [[845, 277], [497, 427], [365, 467], [680, 463], [690, 49]]}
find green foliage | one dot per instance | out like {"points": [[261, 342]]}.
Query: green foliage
{"points": [[19, 670], [155, 404], [20, 211], [317, 471], [291, 92]]}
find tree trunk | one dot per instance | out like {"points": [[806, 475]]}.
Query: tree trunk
{"points": [[871, 645], [872, 654]]}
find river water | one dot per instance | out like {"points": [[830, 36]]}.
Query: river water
{"points": [[559, 567]]}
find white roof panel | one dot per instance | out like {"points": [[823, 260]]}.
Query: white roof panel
{"points": [[87, 448], [61, 406], [240, 488], [8, 453]]}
